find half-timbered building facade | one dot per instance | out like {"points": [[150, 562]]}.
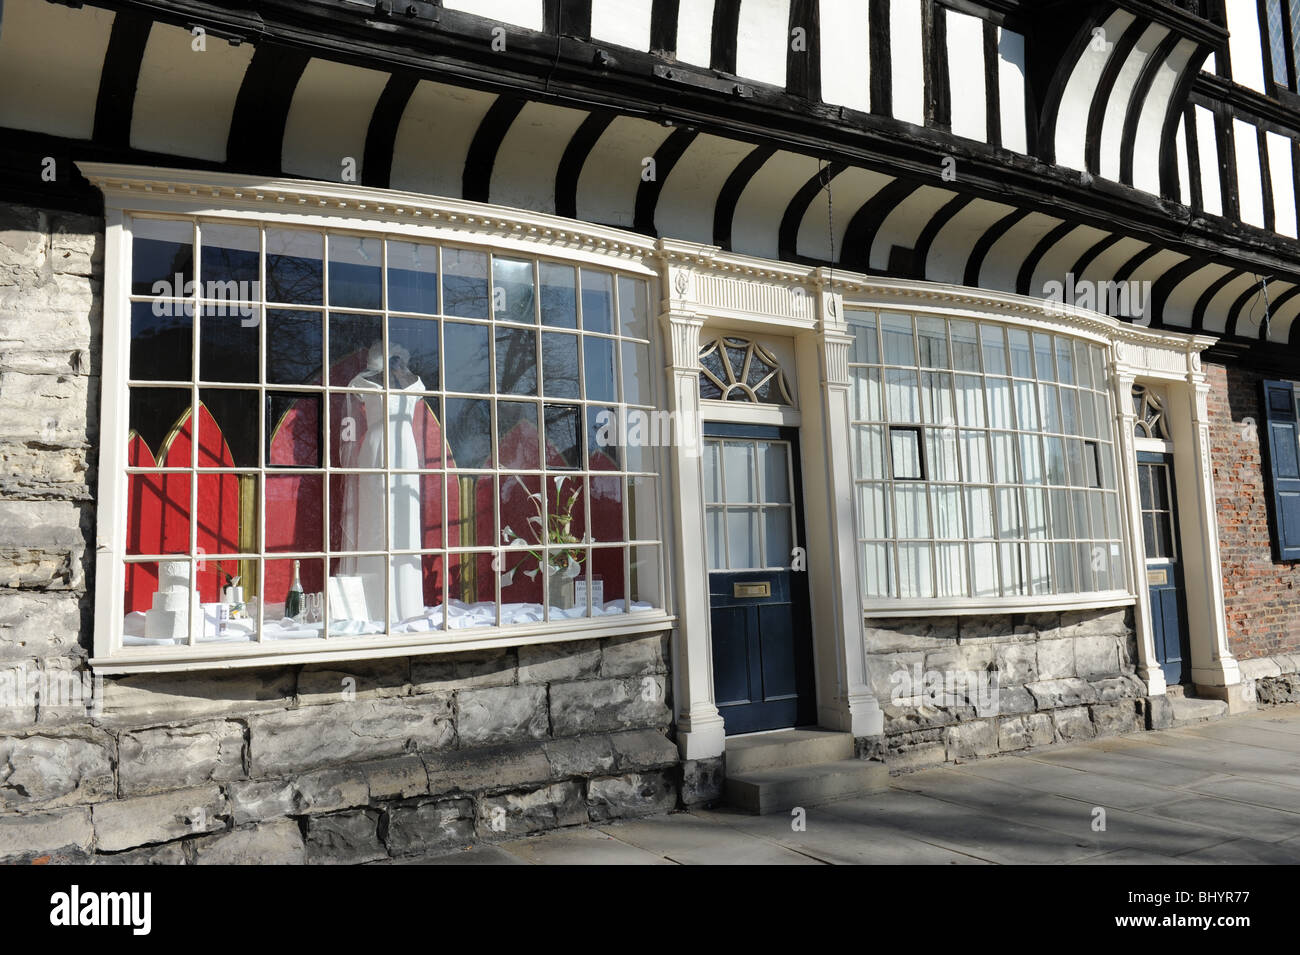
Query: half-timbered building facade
{"points": [[435, 421]]}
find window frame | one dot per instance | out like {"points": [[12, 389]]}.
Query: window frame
{"points": [[334, 210]]}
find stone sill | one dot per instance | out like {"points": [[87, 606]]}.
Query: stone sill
{"points": [[182, 659], [967, 606]]}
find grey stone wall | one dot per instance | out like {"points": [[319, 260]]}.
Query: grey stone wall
{"points": [[316, 763], [960, 687]]}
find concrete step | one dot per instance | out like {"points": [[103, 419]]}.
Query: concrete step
{"points": [[774, 790], [1189, 710], [786, 748]]}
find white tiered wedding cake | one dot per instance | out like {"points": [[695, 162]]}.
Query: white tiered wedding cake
{"points": [[174, 605]]}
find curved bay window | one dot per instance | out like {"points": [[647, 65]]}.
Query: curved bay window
{"points": [[334, 435], [983, 462]]}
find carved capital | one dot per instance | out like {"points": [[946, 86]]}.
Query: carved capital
{"points": [[836, 349], [683, 330]]}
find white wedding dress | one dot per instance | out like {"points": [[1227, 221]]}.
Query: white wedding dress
{"points": [[364, 498]]}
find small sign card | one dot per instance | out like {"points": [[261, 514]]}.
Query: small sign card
{"points": [[597, 591], [348, 598]]}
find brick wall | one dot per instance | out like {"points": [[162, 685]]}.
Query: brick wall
{"points": [[342, 762], [1261, 598]]}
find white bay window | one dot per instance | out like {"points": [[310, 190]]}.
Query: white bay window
{"points": [[983, 462]]}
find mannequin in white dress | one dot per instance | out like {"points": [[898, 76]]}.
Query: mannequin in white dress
{"points": [[363, 502]]}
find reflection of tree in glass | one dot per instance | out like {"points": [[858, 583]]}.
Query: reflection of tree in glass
{"points": [[293, 341], [293, 280], [516, 361]]}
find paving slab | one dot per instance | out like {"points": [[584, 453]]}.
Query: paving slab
{"points": [[1253, 791], [960, 829], [471, 855], [1220, 757], [1257, 822], [689, 840], [1245, 852], [1133, 857], [1128, 766], [1247, 734], [1065, 781], [839, 841], [579, 847]]}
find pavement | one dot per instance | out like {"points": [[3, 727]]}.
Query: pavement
{"points": [[1220, 792]]}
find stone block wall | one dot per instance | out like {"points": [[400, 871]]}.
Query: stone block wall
{"points": [[959, 687], [1261, 598], [319, 763]]}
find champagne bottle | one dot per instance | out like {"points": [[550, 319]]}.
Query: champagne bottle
{"points": [[293, 600]]}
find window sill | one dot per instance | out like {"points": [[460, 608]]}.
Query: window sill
{"points": [[968, 607], [224, 657]]}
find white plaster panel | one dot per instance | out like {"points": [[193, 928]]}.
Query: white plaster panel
{"points": [[951, 248], [1184, 167], [821, 235], [1011, 90], [611, 176], [1244, 47], [1055, 266], [1112, 127], [1282, 177], [690, 193], [905, 223], [762, 39], [907, 64], [521, 13], [756, 226], [329, 118], [1006, 256], [966, 76], [1207, 147], [626, 23], [185, 99], [52, 56], [846, 55], [1250, 187], [434, 136], [1151, 121], [1182, 300], [695, 32], [1216, 315], [523, 175]]}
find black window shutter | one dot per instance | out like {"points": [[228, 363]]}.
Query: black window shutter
{"points": [[1282, 442]]}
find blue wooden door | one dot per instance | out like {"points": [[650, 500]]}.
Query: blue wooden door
{"points": [[758, 601], [1164, 565]]}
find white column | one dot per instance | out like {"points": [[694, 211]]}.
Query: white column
{"points": [[1148, 669], [700, 732], [844, 697], [1214, 669]]}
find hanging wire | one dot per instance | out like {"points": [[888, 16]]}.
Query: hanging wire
{"points": [[1263, 290]]}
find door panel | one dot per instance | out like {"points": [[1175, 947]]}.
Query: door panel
{"points": [[1163, 565], [760, 624]]}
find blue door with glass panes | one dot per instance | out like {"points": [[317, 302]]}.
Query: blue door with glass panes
{"points": [[1164, 565], [758, 596]]}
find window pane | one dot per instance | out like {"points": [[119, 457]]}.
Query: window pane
{"points": [[293, 429], [867, 404], [995, 349], [1039, 569], [1014, 569], [712, 468], [774, 466], [984, 568], [1079, 504], [970, 401], [355, 279], [862, 325], [1056, 468], [877, 570], [1051, 405], [468, 363], [1031, 461], [636, 374], [356, 345], [896, 334], [903, 396], [914, 579], [563, 439], [932, 339], [1004, 458], [1069, 411], [597, 301], [1083, 366], [517, 435], [413, 345], [965, 349], [869, 451], [715, 536], [945, 502], [999, 400], [412, 277], [873, 511], [294, 271], [905, 449], [979, 508], [633, 307], [559, 298], [1018, 348], [941, 453], [464, 283], [1065, 575], [516, 361], [560, 375], [161, 250], [513, 291], [778, 535], [230, 262], [161, 341], [1074, 459], [975, 456], [228, 428], [1026, 407], [1059, 517], [294, 347], [599, 368], [950, 567], [742, 538], [1064, 361], [469, 432], [911, 511], [1043, 357], [738, 464], [1010, 525], [1036, 514], [936, 398]]}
